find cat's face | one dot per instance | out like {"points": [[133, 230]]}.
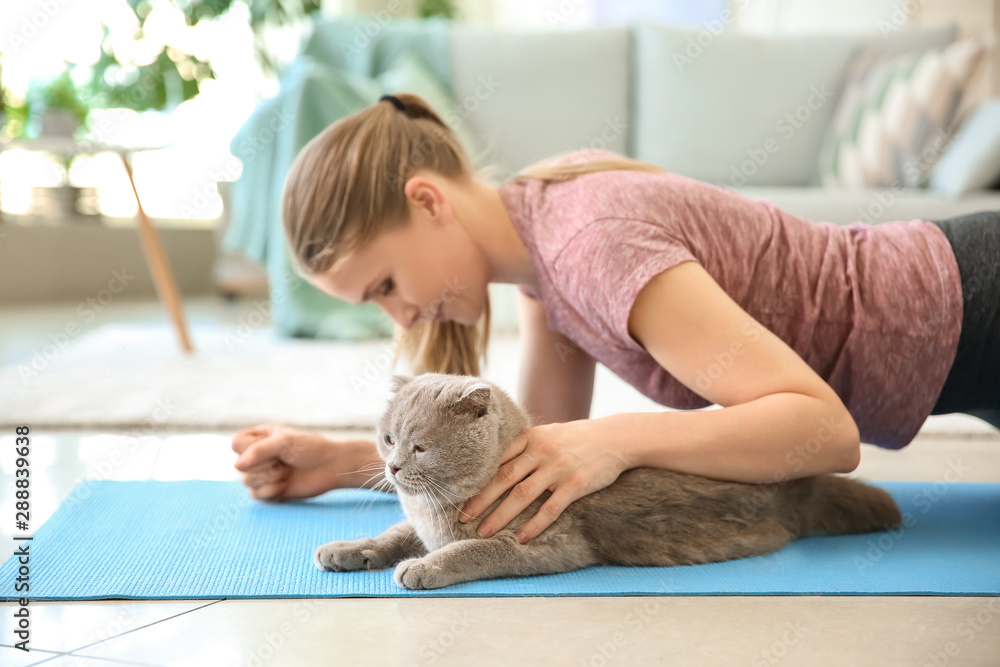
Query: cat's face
{"points": [[440, 432]]}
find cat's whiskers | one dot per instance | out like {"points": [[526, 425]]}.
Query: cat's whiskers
{"points": [[438, 516], [370, 479], [444, 487], [444, 517], [448, 499], [377, 487], [366, 468]]}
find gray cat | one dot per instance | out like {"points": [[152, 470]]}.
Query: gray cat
{"points": [[442, 437]]}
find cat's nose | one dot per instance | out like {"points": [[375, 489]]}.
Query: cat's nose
{"points": [[393, 469]]}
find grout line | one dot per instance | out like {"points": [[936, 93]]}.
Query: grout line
{"points": [[61, 654], [55, 654], [146, 626]]}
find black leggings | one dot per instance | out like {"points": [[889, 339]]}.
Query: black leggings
{"points": [[973, 383]]}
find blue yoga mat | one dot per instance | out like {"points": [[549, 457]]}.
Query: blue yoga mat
{"points": [[211, 540]]}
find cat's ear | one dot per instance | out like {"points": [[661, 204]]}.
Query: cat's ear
{"points": [[475, 400], [398, 381]]}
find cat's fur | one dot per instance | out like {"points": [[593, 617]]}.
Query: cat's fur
{"points": [[647, 516]]}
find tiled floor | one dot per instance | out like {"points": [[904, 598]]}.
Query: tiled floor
{"points": [[814, 630]]}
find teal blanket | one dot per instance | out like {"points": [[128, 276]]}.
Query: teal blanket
{"points": [[340, 70]]}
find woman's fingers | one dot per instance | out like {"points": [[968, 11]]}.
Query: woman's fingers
{"points": [[547, 513], [508, 475], [278, 447], [248, 436], [268, 491], [523, 494], [510, 472]]}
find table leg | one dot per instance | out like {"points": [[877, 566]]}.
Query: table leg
{"points": [[159, 266]]}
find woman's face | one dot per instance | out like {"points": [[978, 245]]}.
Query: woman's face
{"points": [[413, 271]]}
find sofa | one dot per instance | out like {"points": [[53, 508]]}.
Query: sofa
{"points": [[701, 106]]}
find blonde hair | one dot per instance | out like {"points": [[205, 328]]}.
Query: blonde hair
{"points": [[345, 188]]}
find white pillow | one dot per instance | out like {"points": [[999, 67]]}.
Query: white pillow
{"points": [[739, 109], [895, 117], [972, 161]]}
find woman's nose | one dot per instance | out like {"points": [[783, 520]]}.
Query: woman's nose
{"points": [[404, 316]]}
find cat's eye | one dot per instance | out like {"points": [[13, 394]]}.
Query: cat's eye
{"points": [[389, 440], [420, 448]]}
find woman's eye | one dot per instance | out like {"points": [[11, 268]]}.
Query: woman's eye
{"points": [[389, 440]]}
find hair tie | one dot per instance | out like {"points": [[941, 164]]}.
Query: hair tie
{"points": [[396, 102]]}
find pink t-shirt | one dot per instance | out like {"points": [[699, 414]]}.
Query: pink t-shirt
{"points": [[875, 310]]}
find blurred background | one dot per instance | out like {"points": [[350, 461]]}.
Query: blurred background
{"points": [[135, 342], [835, 111], [179, 78]]}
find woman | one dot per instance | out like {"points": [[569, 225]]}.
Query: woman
{"points": [[813, 337]]}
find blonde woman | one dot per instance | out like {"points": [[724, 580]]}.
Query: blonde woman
{"points": [[811, 336]]}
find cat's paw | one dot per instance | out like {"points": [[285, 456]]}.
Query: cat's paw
{"points": [[350, 555], [419, 573]]}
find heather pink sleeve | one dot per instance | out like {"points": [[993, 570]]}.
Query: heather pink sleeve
{"points": [[528, 291], [602, 269]]}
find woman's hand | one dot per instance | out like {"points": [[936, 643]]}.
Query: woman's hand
{"points": [[557, 457], [283, 463]]}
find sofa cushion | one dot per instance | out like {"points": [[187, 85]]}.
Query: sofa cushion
{"points": [[742, 109], [895, 116], [972, 160], [872, 205], [370, 44], [410, 74], [529, 94]]}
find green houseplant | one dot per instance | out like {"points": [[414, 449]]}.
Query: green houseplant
{"points": [[58, 105]]}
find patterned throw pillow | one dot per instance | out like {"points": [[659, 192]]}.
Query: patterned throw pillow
{"points": [[895, 116]]}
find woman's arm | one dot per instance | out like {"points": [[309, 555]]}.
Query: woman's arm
{"points": [[556, 382], [769, 439], [779, 418]]}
